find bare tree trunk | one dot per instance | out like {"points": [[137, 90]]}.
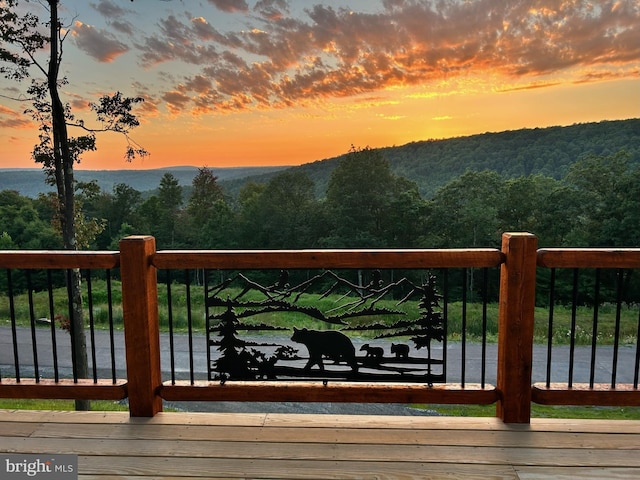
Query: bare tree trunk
{"points": [[63, 171], [79, 340]]}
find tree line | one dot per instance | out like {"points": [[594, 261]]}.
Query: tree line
{"points": [[597, 203], [365, 205]]}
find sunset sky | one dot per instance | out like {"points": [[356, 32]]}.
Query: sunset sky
{"points": [[277, 82]]}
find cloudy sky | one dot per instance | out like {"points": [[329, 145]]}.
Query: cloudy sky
{"points": [[282, 82]]}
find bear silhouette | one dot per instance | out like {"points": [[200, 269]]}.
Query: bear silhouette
{"points": [[372, 352], [400, 350], [332, 344]]}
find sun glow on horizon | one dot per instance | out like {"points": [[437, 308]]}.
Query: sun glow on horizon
{"points": [[296, 82]]}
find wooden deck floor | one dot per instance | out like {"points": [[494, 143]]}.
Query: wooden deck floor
{"points": [[279, 446]]}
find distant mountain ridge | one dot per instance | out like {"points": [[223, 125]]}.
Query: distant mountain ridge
{"points": [[31, 182], [433, 163], [430, 163]]}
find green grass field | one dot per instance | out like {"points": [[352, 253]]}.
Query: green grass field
{"points": [[538, 411], [474, 324], [66, 405]]}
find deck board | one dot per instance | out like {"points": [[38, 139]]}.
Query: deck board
{"points": [[394, 436], [285, 446]]}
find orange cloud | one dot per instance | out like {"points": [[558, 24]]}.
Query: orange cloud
{"points": [[99, 44], [78, 102], [10, 118], [531, 86], [230, 5], [176, 101], [337, 53]]}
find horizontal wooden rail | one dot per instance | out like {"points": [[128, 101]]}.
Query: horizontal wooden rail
{"points": [[57, 259], [512, 394], [589, 257], [265, 259], [308, 391], [583, 394], [83, 389]]}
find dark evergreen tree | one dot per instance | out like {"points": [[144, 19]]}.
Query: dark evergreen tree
{"points": [[208, 218], [430, 325], [233, 361]]}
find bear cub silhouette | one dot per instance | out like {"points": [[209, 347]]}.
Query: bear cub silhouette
{"points": [[400, 350]]}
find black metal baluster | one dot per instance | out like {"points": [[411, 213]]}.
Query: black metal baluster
{"points": [[92, 334], [0, 375], [74, 362], [445, 316], [594, 331], [552, 301], [207, 322], [485, 281], [189, 325], [170, 320], [637, 366], [54, 341], [14, 331], [572, 332], [616, 336], [464, 327], [32, 320], [111, 332]]}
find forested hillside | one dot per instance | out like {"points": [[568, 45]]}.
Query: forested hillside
{"points": [[430, 163], [433, 163], [590, 200], [546, 151], [597, 203]]}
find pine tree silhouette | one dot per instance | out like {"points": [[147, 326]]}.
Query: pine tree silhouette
{"points": [[233, 361], [431, 323]]}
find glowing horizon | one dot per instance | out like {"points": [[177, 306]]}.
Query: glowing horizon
{"points": [[234, 83]]}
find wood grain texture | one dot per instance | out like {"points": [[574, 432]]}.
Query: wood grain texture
{"points": [[142, 331], [85, 389], [58, 259], [583, 394], [264, 259], [589, 257], [353, 392], [515, 326], [288, 446]]}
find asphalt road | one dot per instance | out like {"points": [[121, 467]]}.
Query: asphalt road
{"points": [[183, 359]]}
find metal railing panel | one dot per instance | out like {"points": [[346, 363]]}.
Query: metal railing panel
{"points": [[602, 359]]}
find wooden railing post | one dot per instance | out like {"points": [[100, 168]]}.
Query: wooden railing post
{"points": [[141, 329], [515, 327]]}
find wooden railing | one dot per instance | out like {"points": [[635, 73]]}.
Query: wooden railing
{"points": [[318, 391], [513, 393], [81, 389], [605, 394]]}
